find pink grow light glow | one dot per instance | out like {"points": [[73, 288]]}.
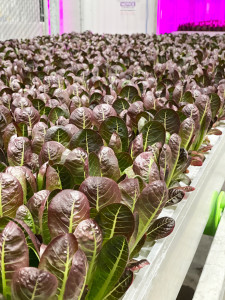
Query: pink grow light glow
{"points": [[61, 29], [49, 18], [175, 12]]}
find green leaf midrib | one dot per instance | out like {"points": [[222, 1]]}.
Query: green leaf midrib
{"points": [[114, 223], [101, 292], [1, 207], [115, 288], [22, 156], [71, 218], [93, 260], [141, 233], [84, 283], [173, 169], [65, 275], [146, 138], [34, 290], [158, 227], [4, 289]]}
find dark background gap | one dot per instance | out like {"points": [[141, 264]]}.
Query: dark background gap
{"points": [[194, 272]]}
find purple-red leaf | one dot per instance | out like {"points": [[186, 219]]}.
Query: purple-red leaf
{"points": [[108, 163], [51, 152], [89, 238], [100, 191], [11, 195], [13, 254], [57, 259], [32, 283], [149, 205], [77, 277], [66, 210], [145, 166], [161, 228], [130, 192]]}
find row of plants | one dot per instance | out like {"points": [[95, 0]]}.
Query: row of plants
{"points": [[96, 135]]}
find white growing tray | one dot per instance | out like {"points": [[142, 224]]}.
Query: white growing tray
{"points": [[171, 257]]}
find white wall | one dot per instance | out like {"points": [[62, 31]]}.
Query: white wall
{"points": [[71, 15], [108, 16], [103, 16], [19, 19]]}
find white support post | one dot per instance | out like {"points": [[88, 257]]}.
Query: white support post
{"points": [[54, 16], [46, 16], [152, 6]]}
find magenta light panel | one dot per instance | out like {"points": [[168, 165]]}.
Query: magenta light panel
{"points": [[172, 13]]}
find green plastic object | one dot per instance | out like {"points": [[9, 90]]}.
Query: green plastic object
{"points": [[222, 200], [217, 207]]}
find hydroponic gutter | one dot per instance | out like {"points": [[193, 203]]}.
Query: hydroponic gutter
{"points": [[211, 33], [171, 257]]}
